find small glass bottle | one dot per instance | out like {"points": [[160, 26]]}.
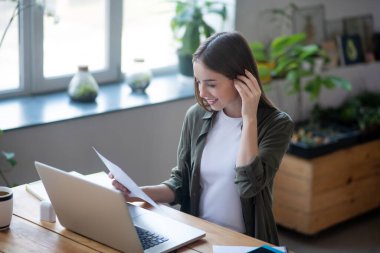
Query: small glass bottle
{"points": [[83, 87], [139, 76]]}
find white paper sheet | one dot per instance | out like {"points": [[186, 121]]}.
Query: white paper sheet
{"points": [[125, 180], [238, 249]]}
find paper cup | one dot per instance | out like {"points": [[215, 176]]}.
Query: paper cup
{"points": [[6, 207]]}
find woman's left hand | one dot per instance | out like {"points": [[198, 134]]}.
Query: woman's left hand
{"points": [[250, 94]]}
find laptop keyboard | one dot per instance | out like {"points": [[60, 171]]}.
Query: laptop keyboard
{"points": [[149, 239]]}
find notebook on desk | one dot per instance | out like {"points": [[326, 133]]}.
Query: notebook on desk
{"points": [[101, 213]]}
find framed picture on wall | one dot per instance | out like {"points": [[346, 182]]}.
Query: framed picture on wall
{"points": [[311, 21], [362, 26], [350, 49]]}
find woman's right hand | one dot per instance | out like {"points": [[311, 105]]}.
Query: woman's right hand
{"points": [[158, 193], [250, 93], [125, 191]]}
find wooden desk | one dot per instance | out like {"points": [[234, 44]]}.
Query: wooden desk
{"points": [[28, 233]]}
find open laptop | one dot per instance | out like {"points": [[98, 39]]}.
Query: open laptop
{"points": [[101, 213]]}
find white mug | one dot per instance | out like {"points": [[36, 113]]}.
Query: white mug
{"points": [[6, 207]]}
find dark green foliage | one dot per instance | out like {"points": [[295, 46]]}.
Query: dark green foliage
{"points": [[188, 24], [10, 158], [361, 111], [290, 58]]}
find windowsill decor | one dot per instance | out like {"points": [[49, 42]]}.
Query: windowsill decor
{"points": [[139, 76], [83, 86]]}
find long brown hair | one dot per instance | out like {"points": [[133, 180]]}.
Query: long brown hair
{"points": [[229, 54]]}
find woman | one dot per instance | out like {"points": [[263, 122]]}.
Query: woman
{"points": [[231, 144]]}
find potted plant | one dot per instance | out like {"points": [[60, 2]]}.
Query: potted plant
{"points": [[288, 57], [9, 158], [190, 28]]}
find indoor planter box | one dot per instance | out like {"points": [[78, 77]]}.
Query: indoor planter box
{"points": [[310, 195]]}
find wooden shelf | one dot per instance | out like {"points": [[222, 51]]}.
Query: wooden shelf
{"points": [[314, 194]]}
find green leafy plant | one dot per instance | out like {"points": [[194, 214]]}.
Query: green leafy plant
{"points": [[9, 158], [190, 27], [288, 57], [361, 111], [358, 115]]}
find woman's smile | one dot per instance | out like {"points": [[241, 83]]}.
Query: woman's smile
{"points": [[211, 101]]}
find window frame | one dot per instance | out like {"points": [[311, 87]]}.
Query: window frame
{"points": [[32, 80], [112, 72]]}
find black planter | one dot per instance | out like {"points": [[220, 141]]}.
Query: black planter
{"points": [[339, 137], [185, 65], [344, 141]]}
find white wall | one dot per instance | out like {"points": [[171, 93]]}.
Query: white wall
{"points": [[142, 140], [249, 20]]}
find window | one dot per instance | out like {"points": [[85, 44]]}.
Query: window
{"points": [[86, 32], [71, 40], [147, 33], [45, 53], [9, 51], [45, 43]]}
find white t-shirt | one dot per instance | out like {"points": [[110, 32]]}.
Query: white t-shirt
{"points": [[220, 200]]}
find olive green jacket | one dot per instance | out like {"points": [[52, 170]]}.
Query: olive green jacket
{"points": [[254, 180]]}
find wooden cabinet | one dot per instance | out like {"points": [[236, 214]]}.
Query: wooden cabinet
{"points": [[310, 195]]}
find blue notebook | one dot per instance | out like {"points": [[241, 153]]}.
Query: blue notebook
{"points": [[265, 249]]}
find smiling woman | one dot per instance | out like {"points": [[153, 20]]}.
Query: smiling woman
{"points": [[231, 144]]}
